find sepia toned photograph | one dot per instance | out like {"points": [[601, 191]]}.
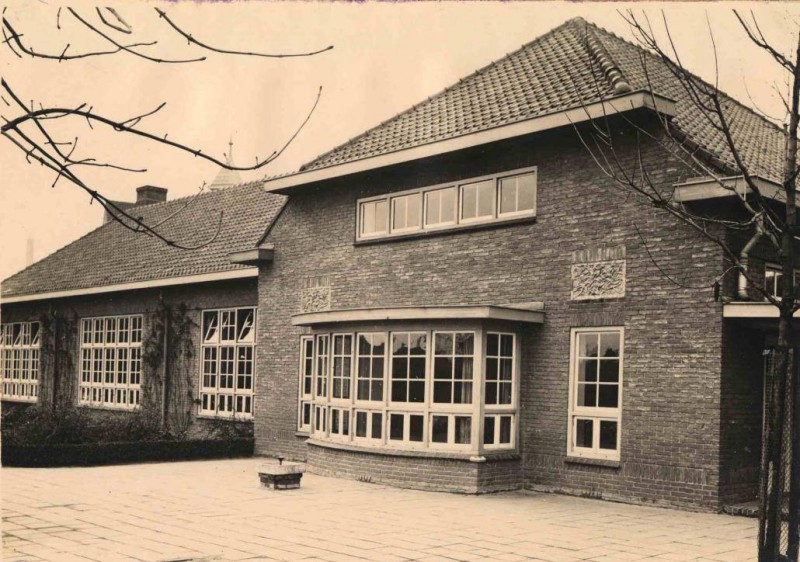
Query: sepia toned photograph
{"points": [[400, 281]]}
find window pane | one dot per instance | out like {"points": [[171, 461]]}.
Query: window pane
{"points": [[609, 344], [608, 396], [526, 192], [488, 430], [608, 435], [469, 199], [492, 344], [381, 216], [505, 429], [587, 395], [609, 371], [448, 203], [377, 425], [486, 198], [415, 425], [463, 430], [439, 429], [508, 195], [584, 433], [587, 370], [587, 345], [396, 427]]}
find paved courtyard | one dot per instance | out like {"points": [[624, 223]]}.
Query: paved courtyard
{"points": [[216, 510]]}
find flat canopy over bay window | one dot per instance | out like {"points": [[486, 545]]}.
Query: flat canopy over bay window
{"points": [[428, 385]]}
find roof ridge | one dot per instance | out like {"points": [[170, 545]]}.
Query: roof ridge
{"points": [[692, 74], [569, 22], [608, 65]]}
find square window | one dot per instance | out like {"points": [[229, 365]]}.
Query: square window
{"points": [[477, 200], [407, 212], [374, 217], [440, 207], [518, 193]]}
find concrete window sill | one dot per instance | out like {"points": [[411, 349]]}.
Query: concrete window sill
{"points": [[608, 463]]}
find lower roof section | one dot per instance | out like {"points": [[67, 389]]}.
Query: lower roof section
{"points": [[530, 313], [169, 281]]}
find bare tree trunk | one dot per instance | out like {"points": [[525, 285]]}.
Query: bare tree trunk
{"points": [[794, 489]]}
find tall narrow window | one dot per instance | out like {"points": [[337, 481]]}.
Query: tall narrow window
{"points": [[499, 368], [477, 200], [595, 405], [518, 194], [306, 383], [453, 367], [322, 366], [406, 212], [371, 357], [440, 207], [408, 366], [374, 217], [111, 362], [227, 380], [342, 366], [20, 344]]}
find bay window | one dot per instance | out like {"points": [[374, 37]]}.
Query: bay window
{"points": [[111, 362], [595, 393], [448, 389], [20, 344], [228, 362]]}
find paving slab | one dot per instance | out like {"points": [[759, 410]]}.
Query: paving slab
{"points": [[207, 511]]}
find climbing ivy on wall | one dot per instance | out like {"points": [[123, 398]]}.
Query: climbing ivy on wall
{"points": [[168, 348]]}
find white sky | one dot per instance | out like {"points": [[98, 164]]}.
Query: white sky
{"points": [[386, 57]]}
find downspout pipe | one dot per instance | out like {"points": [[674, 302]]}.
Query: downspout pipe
{"points": [[744, 260]]}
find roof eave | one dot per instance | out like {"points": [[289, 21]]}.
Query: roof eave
{"points": [[136, 285], [642, 99], [701, 189]]}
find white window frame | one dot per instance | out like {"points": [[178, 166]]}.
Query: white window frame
{"points": [[459, 222], [778, 270], [306, 399], [415, 196], [497, 416], [370, 413], [345, 426], [453, 193], [371, 380], [362, 209], [517, 212], [596, 414], [346, 377], [96, 349], [476, 410], [406, 440], [451, 379], [20, 361], [227, 402], [450, 443], [478, 218]]}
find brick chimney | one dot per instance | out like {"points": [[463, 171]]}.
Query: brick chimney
{"points": [[149, 194]]}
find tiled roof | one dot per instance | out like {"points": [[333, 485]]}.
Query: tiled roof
{"points": [[574, 64], [112, 254]]}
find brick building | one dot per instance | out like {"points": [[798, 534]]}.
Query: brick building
{"points": [[461, 300], [77, 324]]}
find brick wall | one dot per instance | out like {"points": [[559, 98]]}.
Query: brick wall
{"points": [[671, 399], [197, 297], [417, 472]]}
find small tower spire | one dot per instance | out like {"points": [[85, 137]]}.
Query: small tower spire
{"points": [[229, 158]]}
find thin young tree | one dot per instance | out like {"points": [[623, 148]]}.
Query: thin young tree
{"points": [[768, 214], [28, 126]]}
